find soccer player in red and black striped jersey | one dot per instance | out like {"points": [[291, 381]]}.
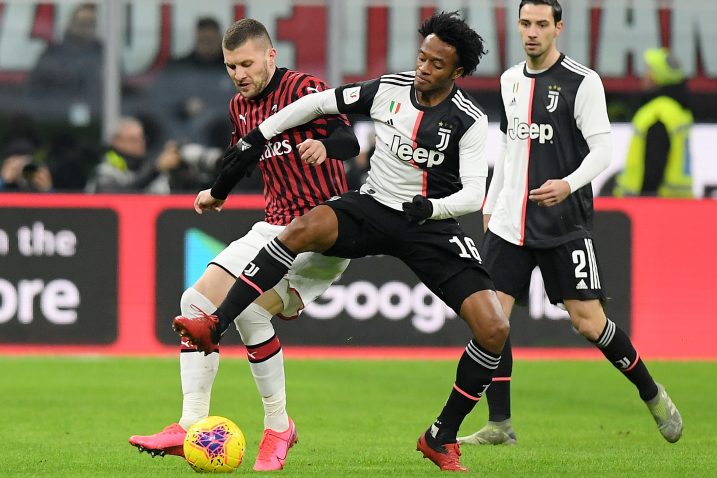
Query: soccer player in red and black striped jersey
{"points": [[539, 209], [301, 168], [291, 188]]}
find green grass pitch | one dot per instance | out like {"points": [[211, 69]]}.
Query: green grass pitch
{"points": [[68, 417]]}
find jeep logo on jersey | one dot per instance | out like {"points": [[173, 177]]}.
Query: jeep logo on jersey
{"points": [[407, 152], [540, 131]]}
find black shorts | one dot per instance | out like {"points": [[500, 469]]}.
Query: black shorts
{"points": [[570, 270], [439, 252]]}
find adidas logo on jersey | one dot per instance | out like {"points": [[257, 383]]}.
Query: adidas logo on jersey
{"points": [[406, 152], [541, 131], [389, 122], [581, 285]]}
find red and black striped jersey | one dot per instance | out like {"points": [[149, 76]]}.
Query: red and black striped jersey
{"points": [[291, 187]]}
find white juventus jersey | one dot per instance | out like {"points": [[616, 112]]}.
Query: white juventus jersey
{"points": [[546, 117], [419, 149]]}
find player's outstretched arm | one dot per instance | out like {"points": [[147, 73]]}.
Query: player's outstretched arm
{"points": [[297, 113], [341, 144]]}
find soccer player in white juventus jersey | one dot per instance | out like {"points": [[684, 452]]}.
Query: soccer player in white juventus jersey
{"points": [[429, 167], [539, 208]]}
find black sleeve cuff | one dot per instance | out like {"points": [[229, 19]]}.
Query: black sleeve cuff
{"points": [[222, 187], [255, 138], [341, 143]]}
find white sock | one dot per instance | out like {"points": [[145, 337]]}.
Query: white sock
{"points": [[254, 325], [196, 369]]}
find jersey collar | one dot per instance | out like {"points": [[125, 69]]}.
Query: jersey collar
{"points": [[544, 72], [421, 107]]}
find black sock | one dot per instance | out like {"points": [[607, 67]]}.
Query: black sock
{"points": [[260, 275], [473, 376], [618, 349], [498, 394]]}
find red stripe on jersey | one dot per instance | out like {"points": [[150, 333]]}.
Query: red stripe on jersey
{"points": [[417, 125], [527, 168], [415, 128], [290, 187], [264, 351]]}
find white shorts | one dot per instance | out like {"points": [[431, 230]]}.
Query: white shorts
{"points": [[309, 276]]}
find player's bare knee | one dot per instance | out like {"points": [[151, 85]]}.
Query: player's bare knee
{"points": [[493, 331], [498, 331], [316, 231], [296, 236], [588, 327], [587, 318]]}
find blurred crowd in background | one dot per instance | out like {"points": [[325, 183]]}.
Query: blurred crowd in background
{"points": [[176, 128], [176, 124]]}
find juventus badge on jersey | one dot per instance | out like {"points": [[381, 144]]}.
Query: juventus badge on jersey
{"points": [[553, 97], [444, 131]]}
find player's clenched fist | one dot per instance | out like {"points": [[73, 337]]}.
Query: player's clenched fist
{"points": [[312, 152]]}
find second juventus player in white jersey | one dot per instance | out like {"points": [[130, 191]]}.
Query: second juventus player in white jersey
{"points": [[428, 168], [539, 209]]}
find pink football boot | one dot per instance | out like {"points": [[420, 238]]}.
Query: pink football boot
{"points": [[169, 441], [274, 448]]}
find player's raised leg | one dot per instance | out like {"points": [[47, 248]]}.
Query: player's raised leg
{"points": [[314, 231], [260, 275]]}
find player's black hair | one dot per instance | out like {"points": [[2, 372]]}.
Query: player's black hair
{"points": [[557, 9], [452, 29], [243, 30]]}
